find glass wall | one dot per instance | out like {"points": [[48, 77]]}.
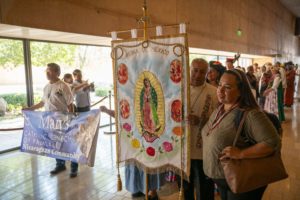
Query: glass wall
{"points": [[222, 59], [206, 57], [12, 91], [94, 62], [243, 62]]}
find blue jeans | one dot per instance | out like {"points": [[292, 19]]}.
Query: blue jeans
{"points": [[61, 163], [199, 182]]}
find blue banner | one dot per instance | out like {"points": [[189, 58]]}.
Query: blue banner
{"points": [[65, 136]]}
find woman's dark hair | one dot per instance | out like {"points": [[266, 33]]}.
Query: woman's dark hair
{"points": [[66, 76], [216, 65], [246, 100], [76, 71]]}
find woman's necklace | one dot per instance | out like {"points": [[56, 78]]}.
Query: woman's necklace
{"points": [[221, 114]]}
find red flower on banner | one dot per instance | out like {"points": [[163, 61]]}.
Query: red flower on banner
{"points": [[176, 110], [122, 73], [167, 146], [124, 108], [127, 127], [175, 71], [150, 151]]}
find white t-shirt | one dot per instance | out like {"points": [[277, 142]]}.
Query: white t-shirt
{"points": [[57, 96]]}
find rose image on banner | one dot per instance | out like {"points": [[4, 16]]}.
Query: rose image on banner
{"points": [[127, 127], [175, 71], [167, 146], [151, 95], [176, 110], [150, 151], [122, 73], [124, 108]]}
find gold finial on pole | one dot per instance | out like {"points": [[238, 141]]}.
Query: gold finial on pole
{"points": [[145, 20]]}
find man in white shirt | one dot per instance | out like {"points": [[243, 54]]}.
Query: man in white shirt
{"points": [[203, 102], [57, 97]]}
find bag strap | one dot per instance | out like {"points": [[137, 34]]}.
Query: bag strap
{"points": [[240, 128]]}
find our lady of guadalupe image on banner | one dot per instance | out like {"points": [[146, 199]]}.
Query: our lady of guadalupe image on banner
{"points": [[151, 90], [149, 100]]}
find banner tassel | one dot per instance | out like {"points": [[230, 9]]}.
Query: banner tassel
{"points": [[119, 183], [181, 193]]}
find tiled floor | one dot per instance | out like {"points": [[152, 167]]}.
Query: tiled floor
{"points": [[9, 140], [25, 176]]}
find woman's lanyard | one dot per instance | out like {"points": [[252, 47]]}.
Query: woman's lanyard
{"points": [[221, 114]]}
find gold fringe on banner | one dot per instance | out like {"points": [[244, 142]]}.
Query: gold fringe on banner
{"points": [[153, 171], [119, 183], [181, 193]]}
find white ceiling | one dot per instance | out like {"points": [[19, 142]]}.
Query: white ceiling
{"points": [[47, 35]]}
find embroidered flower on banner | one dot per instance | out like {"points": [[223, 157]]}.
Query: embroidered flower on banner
{"points": [[167, 146], [177, 131], [150, 151], [127, 127], [135, 143]]}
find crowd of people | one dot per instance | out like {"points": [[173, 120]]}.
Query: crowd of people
{"points": [[273, 86], [218, 95], [225, 92]]}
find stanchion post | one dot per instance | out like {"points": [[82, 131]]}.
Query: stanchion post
{"points": [[110, 120]]}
